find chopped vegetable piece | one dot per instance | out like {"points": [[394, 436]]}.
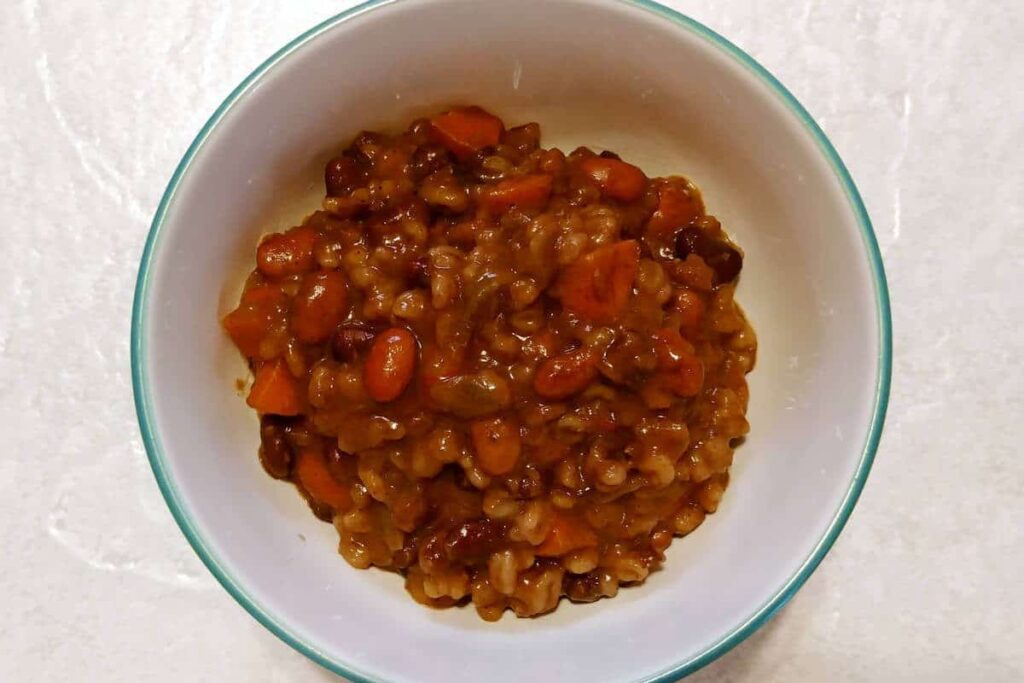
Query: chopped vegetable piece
{"points": [[314, 476], [526, 192], [617, 179], [275, 391], [465, 130], [251, 322], [597, 285], [567, 534]]}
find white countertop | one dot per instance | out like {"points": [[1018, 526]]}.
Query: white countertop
{"points": [[923, 99]]}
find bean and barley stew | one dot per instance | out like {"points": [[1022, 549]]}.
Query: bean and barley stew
{"points": [[507, 373]]}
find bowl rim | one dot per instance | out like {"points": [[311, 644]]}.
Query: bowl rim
{"points": [[739, 633]]}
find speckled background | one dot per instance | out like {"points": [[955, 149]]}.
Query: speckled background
{"points": [[923, 98]]}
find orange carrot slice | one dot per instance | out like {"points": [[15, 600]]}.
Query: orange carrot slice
{"points": [[567, 534], [248, 324], [275, 390], [526, 192], [677, 208], [465, 130], [597, 285], [617, 179], [312, 473]]}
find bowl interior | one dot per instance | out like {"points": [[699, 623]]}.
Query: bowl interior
{"points": [[605, 74]]}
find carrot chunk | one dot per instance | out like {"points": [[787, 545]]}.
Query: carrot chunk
{"points": [[597, 285], [275, 390], [617, 179], [465, 130], [250, 323], [527, 192], [567, 534], [312, 473], [677, 208]]}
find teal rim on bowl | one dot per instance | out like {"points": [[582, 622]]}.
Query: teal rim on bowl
{"points": [[762, 614]]}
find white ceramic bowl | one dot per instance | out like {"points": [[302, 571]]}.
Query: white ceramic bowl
{"points": [[634, 77]]}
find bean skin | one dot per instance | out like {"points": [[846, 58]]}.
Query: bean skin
{"points": [[390, 364]]}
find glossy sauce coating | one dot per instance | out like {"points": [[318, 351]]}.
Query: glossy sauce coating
{"points": [[510, 374]]}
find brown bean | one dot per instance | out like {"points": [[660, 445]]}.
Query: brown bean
{"points": [[342, 175], [276, 453], [352, 338], [473, 395], [427, 159], [287, 253], [319, 306], [474, 540]]}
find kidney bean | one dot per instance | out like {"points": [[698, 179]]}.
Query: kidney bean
{"points": [[352, 338], [565, 375], [342, 175], [319, 306], [474, 540], [276, 453], [390, 364]]}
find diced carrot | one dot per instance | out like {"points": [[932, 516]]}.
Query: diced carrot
{"points": [[248, 324], [566, 374], [287, 253], [275, 391], [496, 443], [677, 208], [319, 306], [390, 364], [465, 130], [314, 476], [246, 329], [690, 307], [617, 179], [567, 534], [597, 285], [526, 192]]}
